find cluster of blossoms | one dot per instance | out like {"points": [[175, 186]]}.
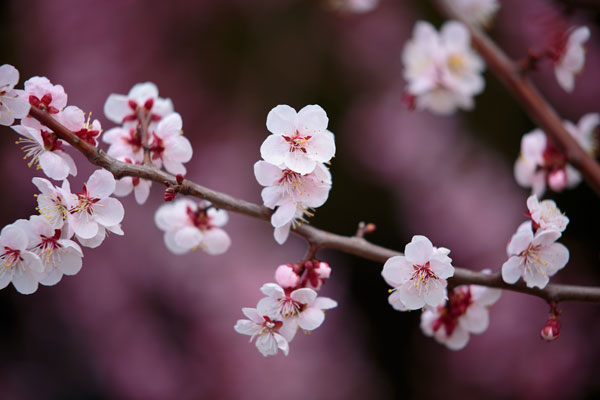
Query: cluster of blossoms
{"points": [[466, 311], [290, 304], [542, 163], [442, 71], [293, 172], [533, 252]]}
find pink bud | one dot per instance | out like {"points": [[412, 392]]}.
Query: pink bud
{"points": [[551, 330], [169, 194], [323, 270], [557, 180], [286, 277], [179, 179]]}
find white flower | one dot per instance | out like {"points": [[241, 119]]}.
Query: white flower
{"points": [[58, 254], [139, 187], [441, 70], [546, 215], [466, 311], [300, 141], [190, 225], [570, 57], [18, 265], [46, 151], [300, 308], [292, 193], [52, 201], [478, 12], [419, 276], [535, 258], [541, 162], [41, 93], [142, 97], [124, 143], [168, 146], [93, 208], [12, 105], [268, 340], [74, 119]]}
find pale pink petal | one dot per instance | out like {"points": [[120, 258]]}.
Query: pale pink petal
{"points": [[83, 225], [556, 256], [312, 119], [174, 167], [143, 91], [441, 269], [299, 162], [267, 174], [24, 281], [216, 241], [281, 233], [476, 319], [19, 108], [266, 344], [217, 217], [419, 250], [396, 302], [178, 149], [188, 237], [281, 120], [324, 303], [272, 196], [172, 243], [284, 214], [51, 277], [73, 118], [273, 290], [116, 108], [274, 149], [142, 191], [512, 269], [282, 344], [270, 307], [169, 126], [123, 186], [289, 328], [253, 315], [520, 241], [311, 318], [109, 211], [14, 238], [458, 340], [436, 294], [304, 296], [101, 184], [246, 327], [321, 148], [396, 271], [53, 165], [409, 296], [484, 295], [70, 262], [9, 76]]}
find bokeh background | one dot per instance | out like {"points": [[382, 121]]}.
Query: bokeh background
{"points": [[140, 323]]}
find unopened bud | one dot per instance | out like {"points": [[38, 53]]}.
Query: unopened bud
{"points": [[179, 179], [370, 228], [169, 194], [551, 330], [286, 277]]}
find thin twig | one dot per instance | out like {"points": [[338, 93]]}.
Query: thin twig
{"points": [[317, 238]]}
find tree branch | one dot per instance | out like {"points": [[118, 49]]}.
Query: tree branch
{"points": [[527, 94], [317, 238]]}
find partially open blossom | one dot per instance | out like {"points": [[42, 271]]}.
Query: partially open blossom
{"points": [[569, 56], [542, 163], [17, 264], [52, 201], [45, 151], [58, 254], [546, 215], [442, 71], [41, 93], [419, 276], [74, 119], [260, 327], [190, 225], [298, 309], [316, 274], [140, 187], [143, 97], [124, 143], [534, 257], [93, 208], [286, 277], [300, 140], [169, 147], [477, 12], [12, 105], [292, 193], [551, 330], [465, 312]]}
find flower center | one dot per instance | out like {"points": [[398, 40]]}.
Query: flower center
{"points": [[158, 147], [199, 218], [289, 307], [10, 257], [456, 63], [297, 142], [458, 303], [43, 103], [421, 276], [291, 182], [532, 259], [48, 248], [85, 203]]}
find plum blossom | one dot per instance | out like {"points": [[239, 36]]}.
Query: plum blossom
{"points": [[478, 12], [465, 312], [542, 163], [169, 147], [41, 93], [300, 308], [190, 225], [58, 254], [316, 274], [45, 151], [568, 56], [419, 276], [534, 257], [17, 264], [142, 97], [286, 277], [545, 215], [265, 330], [551, 330], [139, 187], [292, 193], [299, 140], [12, 104], [124, 143], [52, 201], [442, 71], [74, 119], [93, 209]]}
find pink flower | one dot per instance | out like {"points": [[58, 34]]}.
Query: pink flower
{"points": [[419, 276], [286, 277], [142, 97], [124, 143], [46, 151], [17, 264], [300, 308], [41, 93], [299, 141], [535, 258], [569, 57], [190, 225], [12, 104], [317, 275], [466, 311], [58, 254], [169, 146], [265, 330], [73, 118], [139, 187], [93, 209], [546, 215], [52, 201]]}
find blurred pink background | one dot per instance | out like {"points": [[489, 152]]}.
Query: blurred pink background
{"points": [[140, 323]]}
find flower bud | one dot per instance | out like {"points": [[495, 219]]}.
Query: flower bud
{"points": [[557, 180], [286, 277], [169, 194], [551, 330], [179, 179]]}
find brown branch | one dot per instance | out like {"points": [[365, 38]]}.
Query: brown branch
{"points": [[525, 92], [317, 238]]}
